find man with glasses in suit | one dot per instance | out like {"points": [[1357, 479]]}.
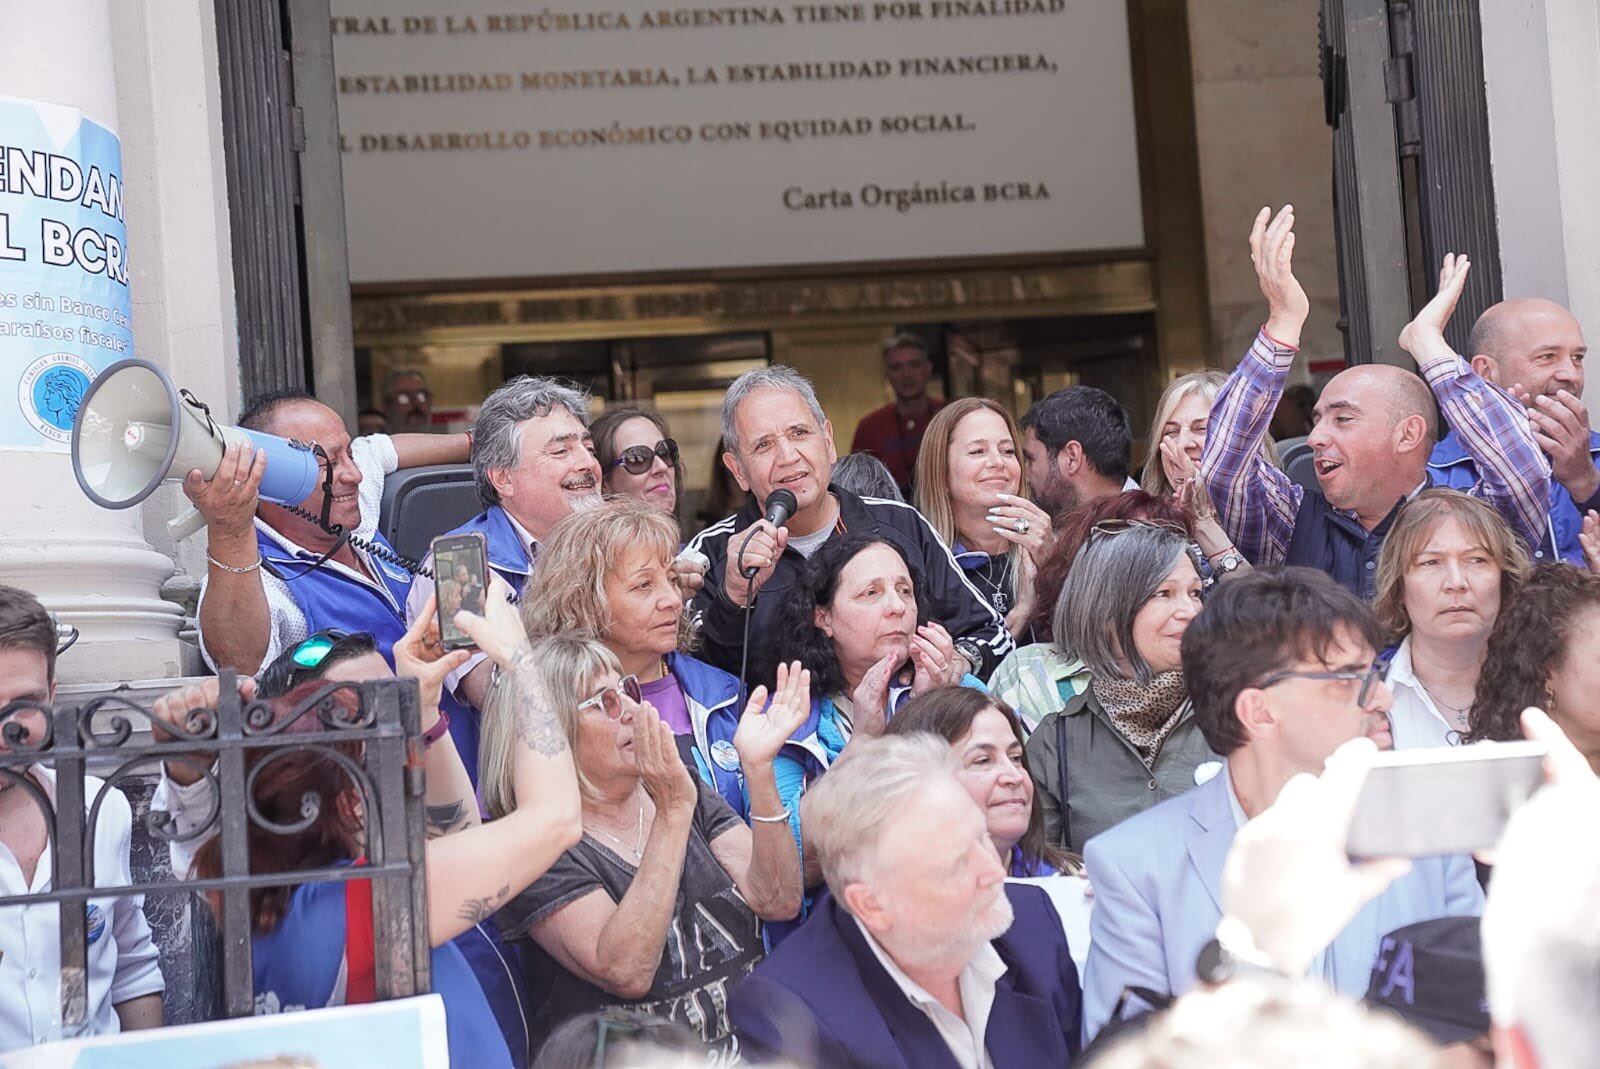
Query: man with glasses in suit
{"points": [[1282, 669]]}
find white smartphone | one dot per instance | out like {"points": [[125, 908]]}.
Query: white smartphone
{"points": [[1442, 800]]}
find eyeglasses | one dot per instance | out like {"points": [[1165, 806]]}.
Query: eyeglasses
{"points": [[405, 397], [314, 650], [614, 1025], [1116, 527], [609, 700], [1368, 679], [636, 460]]}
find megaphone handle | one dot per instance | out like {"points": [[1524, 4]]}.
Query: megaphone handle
{"points": [[186, 523]]}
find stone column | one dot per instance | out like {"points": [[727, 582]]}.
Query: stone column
{"points": [[1541, 61], [145, 69]]}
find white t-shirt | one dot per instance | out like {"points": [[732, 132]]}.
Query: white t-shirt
{"points": [[122, 958], [375, 457]]}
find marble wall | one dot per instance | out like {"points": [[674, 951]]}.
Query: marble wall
{"points": [[1262, 140]]}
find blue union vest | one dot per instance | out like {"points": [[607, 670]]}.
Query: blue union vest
{"points": [[329, 598], [1332, 542], [507, 554]]}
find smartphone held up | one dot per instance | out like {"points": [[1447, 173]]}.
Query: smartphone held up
{"points": [[461, 570], [1442, 800]]}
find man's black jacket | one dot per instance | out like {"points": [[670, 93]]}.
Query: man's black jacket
{"points": [[953, 601]]}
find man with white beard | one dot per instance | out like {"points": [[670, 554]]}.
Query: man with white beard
{"points": [[923, 955]]}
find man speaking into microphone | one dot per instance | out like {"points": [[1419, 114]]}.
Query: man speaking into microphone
{"points": [[778, 439]]}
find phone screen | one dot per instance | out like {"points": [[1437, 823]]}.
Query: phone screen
{"points": [[461, 582], [1430, 802]]}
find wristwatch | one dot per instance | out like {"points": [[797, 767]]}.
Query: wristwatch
{"points": [[1230, 561], [971, 651]]}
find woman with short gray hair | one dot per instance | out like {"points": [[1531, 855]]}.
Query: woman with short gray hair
{"points": [[1130, 739]]}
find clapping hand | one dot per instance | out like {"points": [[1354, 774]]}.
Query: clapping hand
{"points": [[1272, 253], [870, 702], [762, 732], [1184, 475], [499, 631], [421, 656], [1589, 539], [934, 660], [655, 753], [1426, 331], [1561, 427]]}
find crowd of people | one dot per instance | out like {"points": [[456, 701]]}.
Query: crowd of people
{"points": [[1011, 761]]}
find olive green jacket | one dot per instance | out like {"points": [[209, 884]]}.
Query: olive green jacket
{"points": [[1107, 781]]}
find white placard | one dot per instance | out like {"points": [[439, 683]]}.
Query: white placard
{"points": [[619, 137]]}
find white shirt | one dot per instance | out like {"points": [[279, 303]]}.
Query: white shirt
{"points": [[122, 958], [1414, 719], [965, 1038], [374, 455]]}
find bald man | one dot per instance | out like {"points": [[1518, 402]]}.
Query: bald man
{"points": [[1373, 430], [1535, 348]]}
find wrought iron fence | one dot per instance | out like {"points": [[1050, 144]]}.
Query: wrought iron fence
{"points": [[101, 735]]}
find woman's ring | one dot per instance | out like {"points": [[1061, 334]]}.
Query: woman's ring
{"points": [[1021, 524]]}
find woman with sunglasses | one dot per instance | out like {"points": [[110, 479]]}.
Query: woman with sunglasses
{"points": [[638, 456], [1130, 739], [657, 905], [1040, 678], [610, 573], [304, 951]]}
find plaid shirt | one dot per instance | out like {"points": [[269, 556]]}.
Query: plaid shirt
{"points": [[1257, 503]]}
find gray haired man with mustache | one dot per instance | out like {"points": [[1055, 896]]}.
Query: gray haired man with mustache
{"points": [[534, 464]]}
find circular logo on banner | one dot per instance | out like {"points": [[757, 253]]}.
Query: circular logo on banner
{"points": [[50, 391]]}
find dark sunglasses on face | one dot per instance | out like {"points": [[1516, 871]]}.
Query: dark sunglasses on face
{"points": [[609, 699], [636, 460]]}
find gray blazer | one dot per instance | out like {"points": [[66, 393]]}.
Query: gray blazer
{"points": [[1104, 778]]}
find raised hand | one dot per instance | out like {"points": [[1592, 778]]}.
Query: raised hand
{"points": [[1424, 334], [870, 702], [666, 778], [1589, 539], [689, 573], [762, 732], [421, 656], [499, 631], [934, 660], [229, 498], [1272, 253], [1020, 521]]}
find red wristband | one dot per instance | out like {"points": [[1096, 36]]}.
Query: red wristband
{"points": [[435, 733]]}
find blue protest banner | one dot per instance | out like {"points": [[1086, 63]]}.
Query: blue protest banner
{"points": [[64, 307]]}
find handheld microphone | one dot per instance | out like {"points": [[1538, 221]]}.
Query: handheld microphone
{"points": [[780, 506]]}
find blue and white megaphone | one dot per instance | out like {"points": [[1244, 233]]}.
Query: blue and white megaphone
{"points": [[134, 432]]}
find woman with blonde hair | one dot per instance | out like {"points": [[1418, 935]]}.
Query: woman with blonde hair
{"points": [[1447, 567], [1172, 463], [658, 905], [969, 487], [607, 573]]}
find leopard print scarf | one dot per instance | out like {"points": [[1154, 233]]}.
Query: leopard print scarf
{"points": [[1145, 713]]}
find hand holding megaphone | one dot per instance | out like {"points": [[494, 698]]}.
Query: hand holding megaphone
{"points": [[227, 500], [134, 432]]}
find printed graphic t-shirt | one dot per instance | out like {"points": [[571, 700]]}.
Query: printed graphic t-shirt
{"points": [[713, 940]]}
